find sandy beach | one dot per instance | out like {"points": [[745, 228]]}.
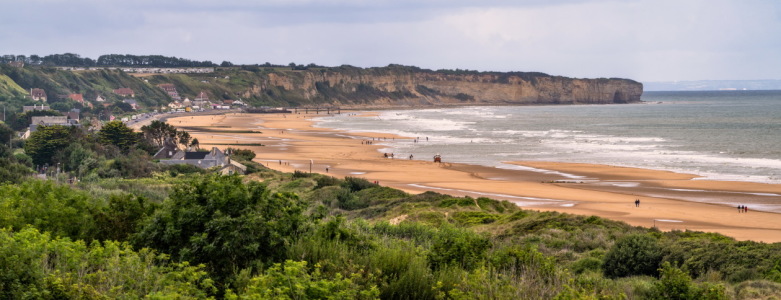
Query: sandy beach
{"points": [[669, 201]]}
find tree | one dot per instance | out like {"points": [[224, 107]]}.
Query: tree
{"points": [[637, 254], [118, 134], [45, 142], [184, 138], [195, 144], [157, 133]]}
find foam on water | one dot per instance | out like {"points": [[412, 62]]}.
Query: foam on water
{"points": [[719, 136]]}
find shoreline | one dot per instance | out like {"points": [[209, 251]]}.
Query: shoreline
{"points": [[669, 200]]}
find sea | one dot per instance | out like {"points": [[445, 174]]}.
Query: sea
{"points": [[718, 135]]}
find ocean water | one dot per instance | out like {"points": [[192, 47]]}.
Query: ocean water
{"points": [[720, 135]]}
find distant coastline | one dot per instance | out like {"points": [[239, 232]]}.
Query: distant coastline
{"points": [[712, 85]]}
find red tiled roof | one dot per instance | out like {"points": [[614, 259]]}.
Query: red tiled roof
{"points": [[76, 97]]}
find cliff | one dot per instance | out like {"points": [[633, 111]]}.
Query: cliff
{"points": [[404, 86], [344, 86]]}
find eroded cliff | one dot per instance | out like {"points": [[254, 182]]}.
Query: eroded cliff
{"points": [[406, 86]]}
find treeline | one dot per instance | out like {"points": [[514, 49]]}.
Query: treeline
{"points": [[108, 60]]}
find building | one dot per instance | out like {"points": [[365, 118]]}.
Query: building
{"points": [[100, 98], [77, 97], [35, 107], [205, 160], [16, 64], [125, 92], [49, 121], [38, 94], [202, 96], [170, 89], [132, 103]]}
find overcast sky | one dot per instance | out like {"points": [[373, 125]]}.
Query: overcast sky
{"points": [[646, 40]]}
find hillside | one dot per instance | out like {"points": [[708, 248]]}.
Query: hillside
{"points": [[339, 86]]}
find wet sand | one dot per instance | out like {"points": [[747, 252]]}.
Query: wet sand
{"points": [[669, 201]]}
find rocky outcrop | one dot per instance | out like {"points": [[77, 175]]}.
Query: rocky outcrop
{"points": [[409, 86]]}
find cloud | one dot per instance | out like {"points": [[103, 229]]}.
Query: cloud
{"points": [[641, 39]]}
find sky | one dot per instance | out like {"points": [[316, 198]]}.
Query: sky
{"points": [[645, 40]]}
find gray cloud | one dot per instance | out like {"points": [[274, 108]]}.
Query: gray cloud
{"points": [[641, 39]]}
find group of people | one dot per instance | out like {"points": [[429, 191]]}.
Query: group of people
{"points": [[637, 202], [742, 209]]}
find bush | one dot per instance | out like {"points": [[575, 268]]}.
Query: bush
{"points": [[324, 181], [355, 184], [224, 223], [458, 247], [638, 254]]}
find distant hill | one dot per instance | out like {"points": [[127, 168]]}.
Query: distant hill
{"points": [[712, 85], [299, 85]]}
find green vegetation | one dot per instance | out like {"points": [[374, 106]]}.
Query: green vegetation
{"points": [[310, 236]]}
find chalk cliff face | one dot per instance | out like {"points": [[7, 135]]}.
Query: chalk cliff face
{"points": [[415, 87]]}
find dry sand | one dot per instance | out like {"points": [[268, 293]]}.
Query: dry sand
{"points": [[669, 201]]}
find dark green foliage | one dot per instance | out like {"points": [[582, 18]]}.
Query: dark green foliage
{"points": [[298, 174], [44, 143], [457, 247], [224, 223], [121, 218], [241, 154], [118, 134], [638, 254], [355, 184], [136, 164], [157, 133], [324, 181]]}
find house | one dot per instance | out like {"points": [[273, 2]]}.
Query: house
{"points": [[16, 64], [126, 92], [233, 167], [100, 98], [77, 97], [175, 105], [170, 89], [38, 94], [35, 107], [227, 102], [202, 96], [167, 152], [73, 114], [132, 103], [50, 121], [205, 160]]}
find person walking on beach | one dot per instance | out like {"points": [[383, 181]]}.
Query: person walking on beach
{"points": [[637, 202], [740, 208]]}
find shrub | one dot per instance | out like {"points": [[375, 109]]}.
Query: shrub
{"points": [[355, 184], [457, 247], [638, 254]]}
